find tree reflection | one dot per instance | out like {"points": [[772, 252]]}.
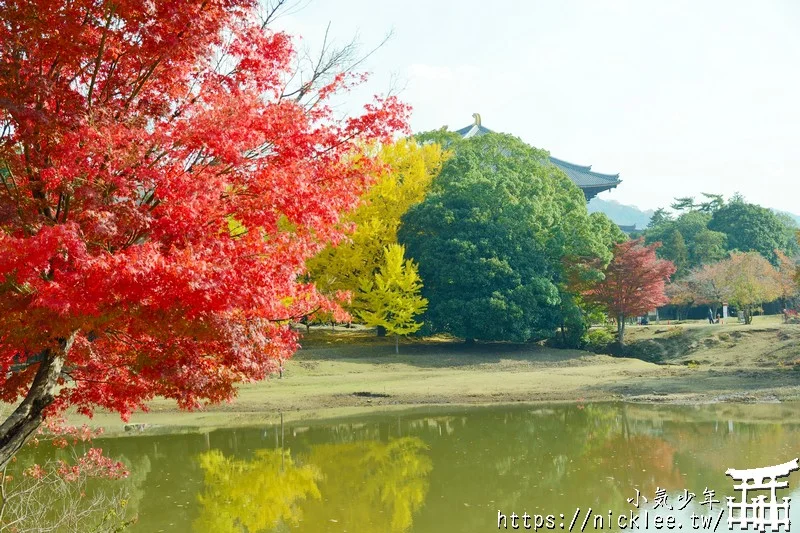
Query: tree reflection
{"points": [[370, 486], [364, 475], [365, 486], [545, 461], [622, 458], [254, 495]]}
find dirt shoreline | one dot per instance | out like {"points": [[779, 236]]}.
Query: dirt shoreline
{"points": [[157, 423], [345, 373]]}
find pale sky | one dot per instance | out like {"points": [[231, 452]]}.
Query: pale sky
{"points": [[678, 96]]}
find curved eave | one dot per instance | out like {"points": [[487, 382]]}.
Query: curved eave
{"points": [[583, 176], [591, 192], [592, 183]]}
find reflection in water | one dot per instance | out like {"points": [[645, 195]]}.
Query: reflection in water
{"points": [[369, 486], [360, 486], [252, 495], [426, 473]]}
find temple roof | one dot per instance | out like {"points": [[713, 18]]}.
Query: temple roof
{"points": [[581, 175], [474, 129]]}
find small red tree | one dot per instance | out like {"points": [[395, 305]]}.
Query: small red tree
{"points": [[634, 282], [162, 182]]}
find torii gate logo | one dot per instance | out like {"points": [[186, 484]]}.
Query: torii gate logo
{"points": [[758, 512]]}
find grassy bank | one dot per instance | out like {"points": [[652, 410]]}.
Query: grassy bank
{"points": [[346, 372]]}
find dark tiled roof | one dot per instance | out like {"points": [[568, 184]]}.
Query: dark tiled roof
{"points": [[581, 175], [472, 130]]}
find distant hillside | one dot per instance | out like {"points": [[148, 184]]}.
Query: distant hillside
{"points": [[626, 215]]}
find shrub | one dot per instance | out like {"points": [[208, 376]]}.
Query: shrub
{"points": [[598, 339]]}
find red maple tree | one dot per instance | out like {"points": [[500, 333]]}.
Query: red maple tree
{"points": [[634, 282], [162, 183]]}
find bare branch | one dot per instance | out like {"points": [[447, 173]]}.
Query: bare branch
{"points": [[312, 73], [272, 10]]}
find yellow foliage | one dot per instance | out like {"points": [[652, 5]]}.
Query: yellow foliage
{"points": [[253, 495], [411, 168], [369, 486], [364, 486], [787, 270], [391, 299], [749, 279]]}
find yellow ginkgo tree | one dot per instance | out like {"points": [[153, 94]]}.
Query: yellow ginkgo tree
{"points": [[410, 168], [391, 298]]}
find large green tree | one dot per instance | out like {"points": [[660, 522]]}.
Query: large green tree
{"points": [[579, 273], [749, 227], [490, 240]]}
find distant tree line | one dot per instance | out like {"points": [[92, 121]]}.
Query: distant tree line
{"points": [[730, 251]]}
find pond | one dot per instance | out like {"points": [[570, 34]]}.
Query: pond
{"points": [[460, 470]]}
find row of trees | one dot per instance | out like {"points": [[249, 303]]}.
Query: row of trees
{"points": [[744, 280], [707, 231], [167, 172], [504, 249], [502, 241], [727, 251]]}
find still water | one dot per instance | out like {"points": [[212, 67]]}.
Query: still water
{"points": [[458, 470]]}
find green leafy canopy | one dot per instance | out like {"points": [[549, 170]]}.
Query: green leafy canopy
{"points": [[491, 237]]}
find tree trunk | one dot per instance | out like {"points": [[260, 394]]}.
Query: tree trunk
{"points": [[396, 343], [621, 330], [27, 417], [469, 341]]}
